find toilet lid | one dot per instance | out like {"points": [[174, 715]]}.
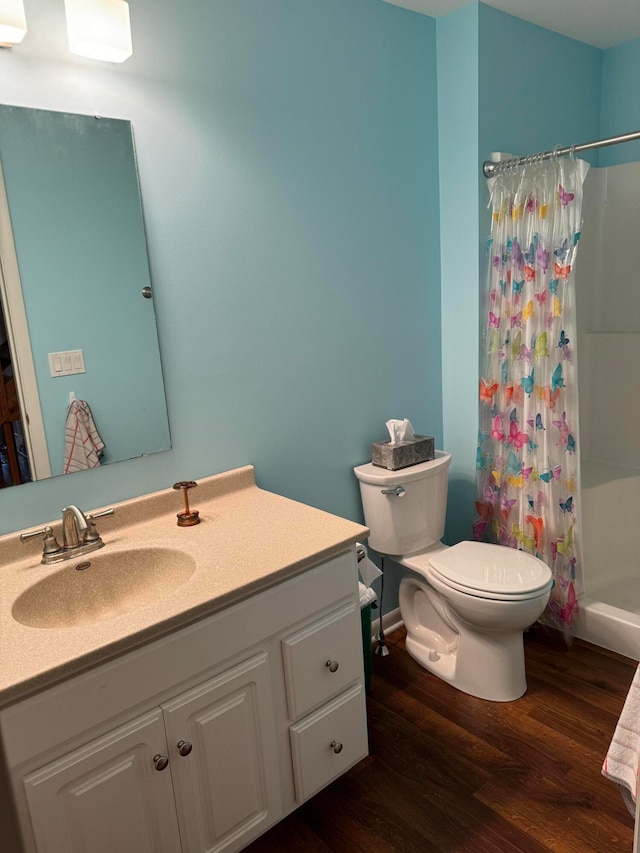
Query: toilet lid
{"points": [[478, 567]]}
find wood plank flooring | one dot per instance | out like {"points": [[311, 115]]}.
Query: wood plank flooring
{"points": [[454, 774]]}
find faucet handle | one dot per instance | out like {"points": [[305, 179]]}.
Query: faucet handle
{"points": [[91, 515], [91, 534], [51, 545]]}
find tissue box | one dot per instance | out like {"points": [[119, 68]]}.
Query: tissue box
{"points": [[402, 454]]}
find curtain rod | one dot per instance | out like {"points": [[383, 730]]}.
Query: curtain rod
{"points": [[489, 168]]}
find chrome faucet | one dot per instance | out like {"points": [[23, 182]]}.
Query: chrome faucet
{"points": [[74, 523]]}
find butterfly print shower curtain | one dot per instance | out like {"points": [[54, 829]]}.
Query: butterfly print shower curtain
{"points": [[528, 455]]}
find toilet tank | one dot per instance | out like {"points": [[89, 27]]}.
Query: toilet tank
{"points": [[405, 510]]}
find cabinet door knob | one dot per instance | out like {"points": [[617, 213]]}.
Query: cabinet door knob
{"points": [[336, 746], [184, 747], [160, 761], [333, 665]]}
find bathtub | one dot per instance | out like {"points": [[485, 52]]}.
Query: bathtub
{"points": [[609, 613]]}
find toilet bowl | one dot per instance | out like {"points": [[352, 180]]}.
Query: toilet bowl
{"points": [[464, 607]]}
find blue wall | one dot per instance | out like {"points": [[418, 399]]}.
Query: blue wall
{"points": [[287, 153], [620, 112], [460, 183], [538, 89]]}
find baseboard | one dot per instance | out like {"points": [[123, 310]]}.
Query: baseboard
{"points": [[390, 621]]}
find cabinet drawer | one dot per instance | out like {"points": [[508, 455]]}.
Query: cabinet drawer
{"points": [[328, 742], [322, 659]]}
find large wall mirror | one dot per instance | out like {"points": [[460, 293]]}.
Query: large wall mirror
{"points": [[74, 279]]}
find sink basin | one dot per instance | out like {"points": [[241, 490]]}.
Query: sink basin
{"points": [[101, 586]]}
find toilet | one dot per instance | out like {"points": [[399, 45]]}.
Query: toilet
{"points": [[464, 607]]}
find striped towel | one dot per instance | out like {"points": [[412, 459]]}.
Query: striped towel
{"points": [[82, 443], [623, 758]]}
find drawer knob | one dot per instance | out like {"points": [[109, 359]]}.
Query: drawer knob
{"points": [[336, 746], [332, 665], [184, 747], [160, 761]]}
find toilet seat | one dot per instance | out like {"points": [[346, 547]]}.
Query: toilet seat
{"points": [[488, 571], [436, 578]]}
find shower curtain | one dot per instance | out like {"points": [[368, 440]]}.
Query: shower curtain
{"points": [[527, 457]]}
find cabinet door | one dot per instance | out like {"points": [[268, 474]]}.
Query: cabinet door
{"points": [[107, 796], [224, 762]]}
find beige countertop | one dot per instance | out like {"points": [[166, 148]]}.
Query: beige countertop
{"points": [[248, 540]]}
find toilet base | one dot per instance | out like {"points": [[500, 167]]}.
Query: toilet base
{"points": [[500, 678], [484, 661]]}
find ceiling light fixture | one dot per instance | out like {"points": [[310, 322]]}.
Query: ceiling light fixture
{"points": [[13, 24], [99, 29]]}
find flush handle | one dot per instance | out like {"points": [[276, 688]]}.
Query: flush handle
{"points": [[398, 491]]}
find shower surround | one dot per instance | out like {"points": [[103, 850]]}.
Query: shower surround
{"points": [[608, 307]]}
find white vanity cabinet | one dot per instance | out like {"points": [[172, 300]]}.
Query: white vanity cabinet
{"points": [[200, 740], [130, 790], [104, 796]]}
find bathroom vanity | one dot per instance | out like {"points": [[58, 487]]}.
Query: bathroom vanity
{"points": [[195, 721]]}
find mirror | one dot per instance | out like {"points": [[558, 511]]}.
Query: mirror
{"points": [[73, 267]]}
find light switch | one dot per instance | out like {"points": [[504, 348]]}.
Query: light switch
{"points": [[66, 363]]}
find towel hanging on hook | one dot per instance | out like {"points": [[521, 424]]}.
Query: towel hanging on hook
{"points": [[83, 445]]}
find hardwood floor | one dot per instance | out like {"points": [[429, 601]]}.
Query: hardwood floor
{"points": [[454, 774]]}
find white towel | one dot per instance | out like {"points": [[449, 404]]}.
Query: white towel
{"points": [[82, 443], [623, 758]]}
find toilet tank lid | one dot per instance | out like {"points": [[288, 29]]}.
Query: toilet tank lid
{"points": [[376, 475], [492, 568]]}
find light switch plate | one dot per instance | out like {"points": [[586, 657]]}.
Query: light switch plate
{"points": [[66, 363]]}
